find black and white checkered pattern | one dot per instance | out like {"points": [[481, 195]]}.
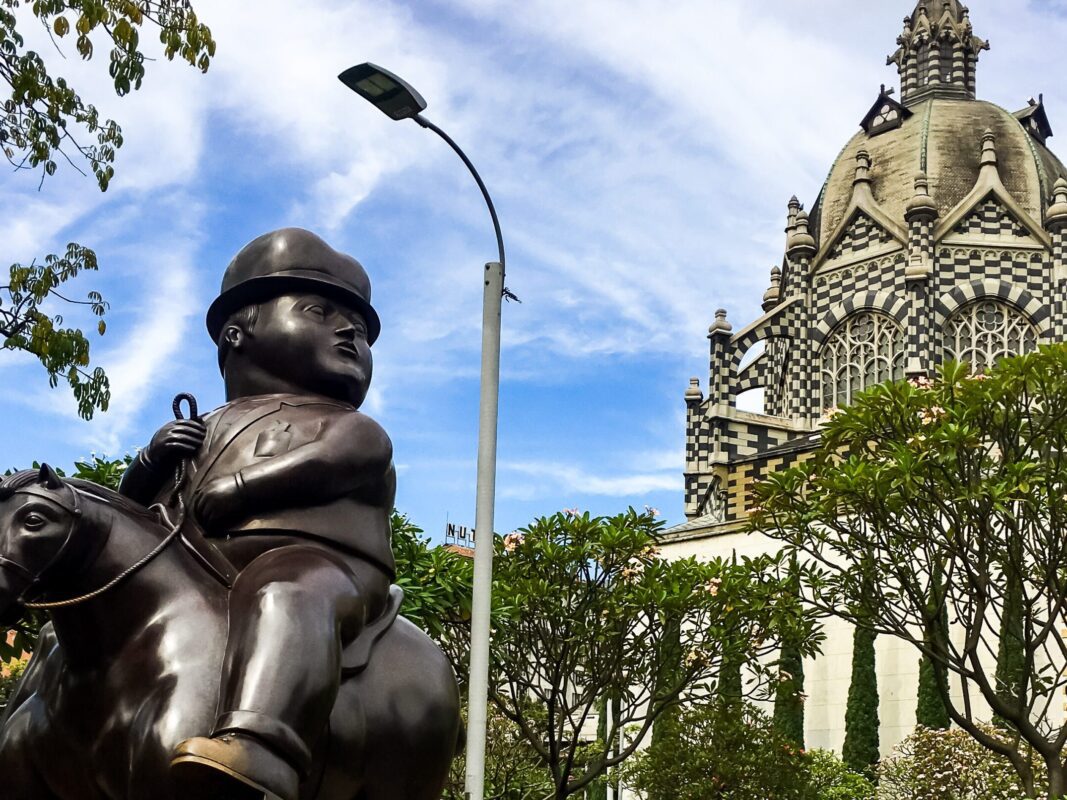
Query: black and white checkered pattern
{"points": [[991, 218], [862, 233], [813, 305]]}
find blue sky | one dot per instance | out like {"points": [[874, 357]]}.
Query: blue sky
{"points": [[640, 153]]}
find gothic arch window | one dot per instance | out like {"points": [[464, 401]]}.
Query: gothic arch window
{"points": [[924, 62], [865, 350], [984, 332], [947, 57]]}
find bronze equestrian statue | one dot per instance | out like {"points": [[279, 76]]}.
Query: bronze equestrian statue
{"points": [[261, 656]]}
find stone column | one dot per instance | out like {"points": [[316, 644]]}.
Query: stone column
{"points": [[1056, 225], [721, 366], [921, 215], [697, 441], [802, 396]]}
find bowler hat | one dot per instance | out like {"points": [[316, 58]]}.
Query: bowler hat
{"points": [[290, 260]]}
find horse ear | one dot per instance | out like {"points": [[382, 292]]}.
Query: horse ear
{"points": [[49, 478]]}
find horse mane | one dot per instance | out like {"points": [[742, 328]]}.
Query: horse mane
{"points": [[110, 497], [17, 480]]}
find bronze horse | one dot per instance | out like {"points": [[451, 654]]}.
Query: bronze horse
{"points": [[120, 678]]}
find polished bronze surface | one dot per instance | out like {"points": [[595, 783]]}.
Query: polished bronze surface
{"points": [[226, 628]]}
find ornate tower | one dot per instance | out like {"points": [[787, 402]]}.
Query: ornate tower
{"points": [[940, 232]]}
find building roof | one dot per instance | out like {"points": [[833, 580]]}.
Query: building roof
{"points": [[943, 138]]}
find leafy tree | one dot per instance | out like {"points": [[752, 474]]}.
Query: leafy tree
{"points": [[720, 751], [45, 122], [513, 770], [961, 481], [860, 751], [585, 609], [437, 586]]}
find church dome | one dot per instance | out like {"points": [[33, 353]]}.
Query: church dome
{"points": [[942, 137]]}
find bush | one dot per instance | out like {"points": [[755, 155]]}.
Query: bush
{"points": [[720, 751], [831, 779], [936, 764]]}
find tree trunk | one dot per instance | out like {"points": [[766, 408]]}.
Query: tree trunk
{"points": [[1057, 778], [1011, 658], [789, 699]]}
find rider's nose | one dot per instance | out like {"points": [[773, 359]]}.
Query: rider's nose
{"points": [[347, 330]]}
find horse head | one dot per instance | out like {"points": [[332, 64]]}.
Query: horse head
{"points": [[44, 536]]}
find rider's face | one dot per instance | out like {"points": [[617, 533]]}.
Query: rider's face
{"points": [[313, 343]]}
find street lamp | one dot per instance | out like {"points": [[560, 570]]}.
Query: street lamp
{"points": [[398, 100]]}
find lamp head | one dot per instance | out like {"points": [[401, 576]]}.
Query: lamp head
{"points": [[384, 90]]}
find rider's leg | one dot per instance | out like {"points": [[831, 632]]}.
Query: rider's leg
{"points": [[291, 612]]}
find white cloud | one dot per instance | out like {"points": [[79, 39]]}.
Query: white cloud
{"points": [[549, 478]]}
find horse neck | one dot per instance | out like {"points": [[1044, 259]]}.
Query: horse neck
{"points": [[93, 632]]}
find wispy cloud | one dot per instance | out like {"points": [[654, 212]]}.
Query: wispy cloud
{"points": [[549, 478]]}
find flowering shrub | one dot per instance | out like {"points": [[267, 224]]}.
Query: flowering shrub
{"points": [[947, 765]]}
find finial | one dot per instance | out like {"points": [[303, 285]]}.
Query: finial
{"points": [[770, 297], [989, 149], [693, 392], [721, 324], [791, 216], [921, 203], [1056, 216], [863, 167], [801, 243]]}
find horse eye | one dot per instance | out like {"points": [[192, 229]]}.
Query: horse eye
{"points": [[34, 522]]}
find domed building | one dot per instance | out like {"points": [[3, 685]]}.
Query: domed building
{"points": [[940, 233]]}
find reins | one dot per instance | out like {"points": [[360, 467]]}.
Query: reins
{"points": [[175, 527]]}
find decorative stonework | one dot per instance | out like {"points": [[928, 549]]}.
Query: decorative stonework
{"points": [[982, 333], [941, 233], [865, 350]]}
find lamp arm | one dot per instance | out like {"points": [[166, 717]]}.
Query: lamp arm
{"points": [[481, 185]]}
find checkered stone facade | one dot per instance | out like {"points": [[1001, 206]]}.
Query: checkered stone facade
{"points": [[919, 286], [991, 219], [862, 234]]}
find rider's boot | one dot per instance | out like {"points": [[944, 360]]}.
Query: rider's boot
{"points": [[232, 767]]}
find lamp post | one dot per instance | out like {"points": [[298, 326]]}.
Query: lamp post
{"points": [[398, 100]]}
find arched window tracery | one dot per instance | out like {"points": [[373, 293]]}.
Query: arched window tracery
{"points": [[984, 332], [865, 350]]}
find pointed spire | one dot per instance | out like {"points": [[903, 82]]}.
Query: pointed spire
{"points": [[771, 296], [937, 52]]}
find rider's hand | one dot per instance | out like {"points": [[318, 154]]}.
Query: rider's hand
{"points": [[174, 441], [217, 501]]}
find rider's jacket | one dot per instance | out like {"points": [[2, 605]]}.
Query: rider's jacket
{"points": [[253, 430]]}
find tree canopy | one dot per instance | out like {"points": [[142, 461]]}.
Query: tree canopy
{"points": [[950, 495], [46, 123], [588, 616]]}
